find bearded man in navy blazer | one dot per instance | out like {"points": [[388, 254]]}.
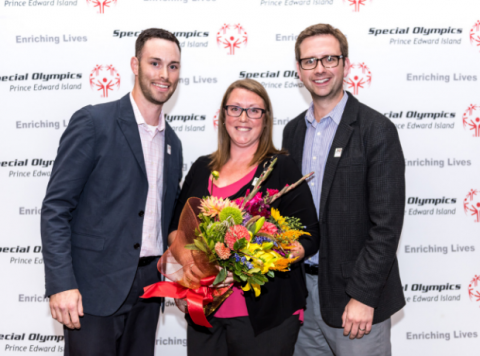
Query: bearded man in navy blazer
{"points": [[108, 206], [359, 192]]}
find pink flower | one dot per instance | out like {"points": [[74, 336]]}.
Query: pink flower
{"points": [[272, 192], [236, 233], [269, 228], [222, 251]]}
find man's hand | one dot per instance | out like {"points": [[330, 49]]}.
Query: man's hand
{"points": [[297, 251], [357, 319], [66, 307]]}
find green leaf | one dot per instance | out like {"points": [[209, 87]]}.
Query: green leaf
{"points": [[258, 279], [191, 247], [243, 277], [254, 270], [240, 244], [271, 274], [220, 276], [200, 245]]}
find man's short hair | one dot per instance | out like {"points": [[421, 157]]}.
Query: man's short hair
{"points": [[321, 29], [150, 33]]}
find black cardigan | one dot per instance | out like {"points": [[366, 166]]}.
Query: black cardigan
{"points": [[287, 292]]}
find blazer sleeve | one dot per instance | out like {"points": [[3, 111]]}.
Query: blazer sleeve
{"points": [[71, 170], [298, 203], [386, 204]]}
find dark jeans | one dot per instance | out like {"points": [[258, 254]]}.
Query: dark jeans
{"points": [[130, 331], [234, 336]]}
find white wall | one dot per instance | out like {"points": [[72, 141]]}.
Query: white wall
{"points": [[441, 153]]}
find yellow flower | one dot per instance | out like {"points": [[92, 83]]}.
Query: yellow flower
{"points": [[256, 288], [279, 219]]}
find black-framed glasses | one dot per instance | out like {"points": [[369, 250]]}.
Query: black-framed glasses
{"points": [[327, 62], [252, 113]]}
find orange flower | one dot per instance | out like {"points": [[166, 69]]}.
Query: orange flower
{"points": [[222, 251], [283, 264]]}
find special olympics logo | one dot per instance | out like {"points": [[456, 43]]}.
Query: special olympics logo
{"points": [[356, 4], [232, 37], [471, 204], [471, 120], [474, 289], [104, 79], [215, 119], [101, 4], [359, 76], [475, 34]]}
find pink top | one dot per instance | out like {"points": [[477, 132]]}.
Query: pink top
{"points": [[235, 305]]}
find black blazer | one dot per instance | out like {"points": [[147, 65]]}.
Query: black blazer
{"points": [[361, 212], [287, 292], [92, 214]]}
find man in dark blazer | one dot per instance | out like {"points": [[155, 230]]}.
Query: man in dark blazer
{"points": [[108, 206], [359, 191]]}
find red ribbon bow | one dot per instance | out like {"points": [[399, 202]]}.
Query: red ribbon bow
{"points": [[196, 298]]}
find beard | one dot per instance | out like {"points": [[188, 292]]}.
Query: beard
{"points": [[148, 92]]}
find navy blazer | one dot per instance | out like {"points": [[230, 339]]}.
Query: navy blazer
{"points": [[93, 212]]}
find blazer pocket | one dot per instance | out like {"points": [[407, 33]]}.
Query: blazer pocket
{"points": [[88, 242], [347, 268], [351, 161]]}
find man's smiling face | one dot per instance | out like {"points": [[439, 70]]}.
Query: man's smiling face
{"points": [[323, 83], [159, 70]]}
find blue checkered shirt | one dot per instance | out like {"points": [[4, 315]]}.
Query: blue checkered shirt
{"points": [[318, 141]]}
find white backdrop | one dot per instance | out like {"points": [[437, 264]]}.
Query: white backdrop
{"points": [[416, 61]]}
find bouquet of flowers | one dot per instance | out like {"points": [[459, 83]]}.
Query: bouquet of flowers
{"points": [[246, 237]]}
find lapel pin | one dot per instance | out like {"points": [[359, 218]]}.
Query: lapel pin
{"points": [[169, 149], [254, 181], [338, 152]]}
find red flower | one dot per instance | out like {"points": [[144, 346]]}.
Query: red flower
{"points": [[236, 233]]}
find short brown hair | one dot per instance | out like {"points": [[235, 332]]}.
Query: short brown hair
{"points": [[321, 29], [150, 33], [265, 148]]}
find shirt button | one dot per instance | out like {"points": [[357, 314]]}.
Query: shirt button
{"points": [[314, 157], [141, 213], [312, 184], [318, 133]]}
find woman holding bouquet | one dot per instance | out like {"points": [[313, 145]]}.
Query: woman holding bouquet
{"points": [[245, 324]]}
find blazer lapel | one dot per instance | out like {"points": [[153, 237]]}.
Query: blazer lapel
{"points": [[342, 136], [167, 155], [129, 127], [299, 141]]}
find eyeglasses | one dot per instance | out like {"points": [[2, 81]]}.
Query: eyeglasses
{"points": [[252, 113], [327, 62]]}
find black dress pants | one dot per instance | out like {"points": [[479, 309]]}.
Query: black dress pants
{"points": [[235, 337], [130, 331]]}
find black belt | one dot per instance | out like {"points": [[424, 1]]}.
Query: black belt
{"points": [[311, 269], [145, 261]]}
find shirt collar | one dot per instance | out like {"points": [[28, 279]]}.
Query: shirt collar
{"points": [[335, 114], [141, 121]]}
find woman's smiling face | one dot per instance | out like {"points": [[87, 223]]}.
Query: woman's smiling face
{"points": [[243, 131]]}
